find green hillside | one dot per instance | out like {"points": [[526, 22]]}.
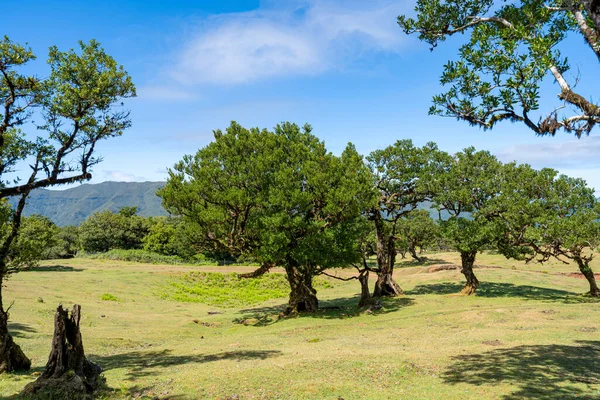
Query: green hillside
{"points": [[72, 206]]}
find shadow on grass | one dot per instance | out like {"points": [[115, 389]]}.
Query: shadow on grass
{"points": [[19, 330], [52, 268], [494, 289], [145, 363], [539, 371], [341, 308], [425, 263]]}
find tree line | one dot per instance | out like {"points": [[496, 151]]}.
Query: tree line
{"points": [[280, 198]]}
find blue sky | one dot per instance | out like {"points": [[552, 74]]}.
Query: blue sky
{"points": [[345, 67]]}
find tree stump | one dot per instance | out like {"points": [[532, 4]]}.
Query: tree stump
{"points": [[68, 374]]}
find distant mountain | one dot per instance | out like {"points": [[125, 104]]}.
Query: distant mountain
{"points": [[72, 206]]}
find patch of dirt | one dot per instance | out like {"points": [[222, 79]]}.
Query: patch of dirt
{"points": [[487, 267], [587, 329], [493, 343], [441, 267], [452, 267], [578, 275]]}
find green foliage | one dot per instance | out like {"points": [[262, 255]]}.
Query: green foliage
{"points": [[106, 230], [77, 105], [470, 181], [548, 215], [278, 197], [109, 297], [228, 290], [37, 236], [418, 231], [67, 243], [403, 179], [513, 47], [169, 236]]}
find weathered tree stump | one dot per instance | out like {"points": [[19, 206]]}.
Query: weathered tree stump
{"points": [[12, 357], [68, 374]]}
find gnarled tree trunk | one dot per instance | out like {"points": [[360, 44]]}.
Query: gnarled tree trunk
{"points": [[303, 297], [12, 357], [260, 271], [413, 253], [386, 258], [68, 374], [468, 259], [586, 270], [365, 295]]}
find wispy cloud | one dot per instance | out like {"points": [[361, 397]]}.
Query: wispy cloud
{"points": [[572, 154], [305, 38], [119, 176], [164, 93]]}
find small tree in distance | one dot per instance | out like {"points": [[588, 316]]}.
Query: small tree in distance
{"points": [[418, 231]]}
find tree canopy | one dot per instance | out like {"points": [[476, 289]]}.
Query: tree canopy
{"points": [[278, 197], [512, 48], [470, 181]]}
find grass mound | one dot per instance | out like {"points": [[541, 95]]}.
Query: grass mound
{"points": [[229, 290]]}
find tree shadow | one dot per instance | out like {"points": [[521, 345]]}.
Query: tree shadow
{"points": [[51, 268], [539, 371], [19, 330], [494, 289], [146, 363], [341, 308]]}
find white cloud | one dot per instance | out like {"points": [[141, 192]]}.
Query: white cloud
{"points": [[119, 176], [571, 154], [310, 37], [164, 93]]}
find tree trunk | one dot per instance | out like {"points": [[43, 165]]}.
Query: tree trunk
{"points": [[303, 297], [386, 258], [12, 357], [468, 259], [263, 269], [68, 374], [365, 295], [589, 275], [413, 253]]}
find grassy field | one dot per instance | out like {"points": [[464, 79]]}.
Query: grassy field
{"points": [[529, 333]]}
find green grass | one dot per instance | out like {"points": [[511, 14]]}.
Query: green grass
{"points": [[109, 297], [526, 334], [228, 290], [143, 256]]}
